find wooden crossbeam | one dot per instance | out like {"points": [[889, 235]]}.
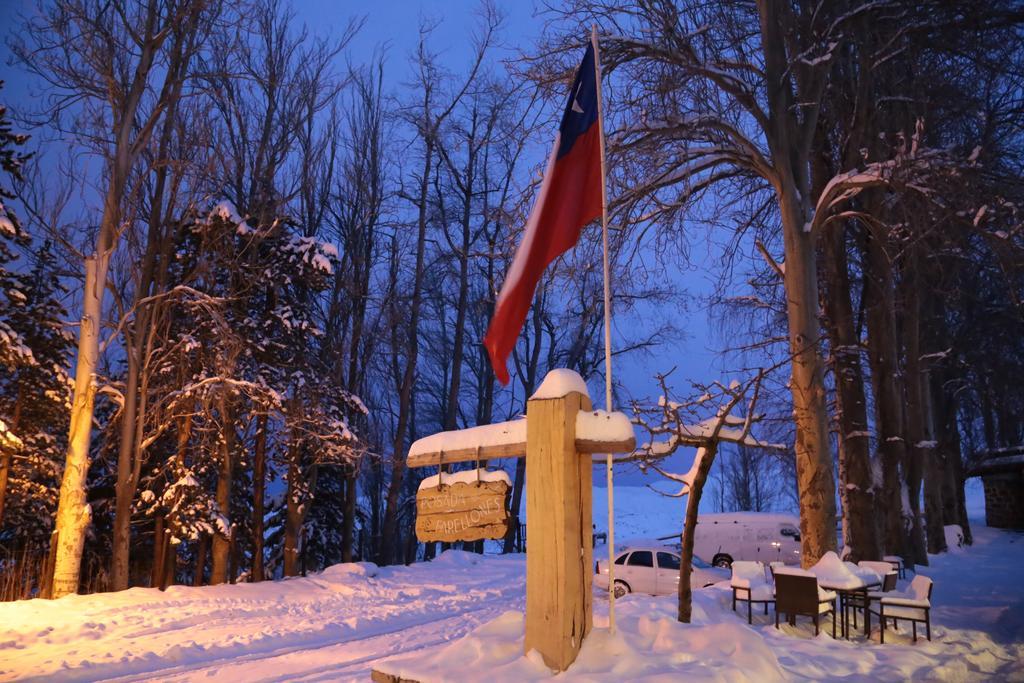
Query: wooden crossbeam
{"points": [[511, 450]]}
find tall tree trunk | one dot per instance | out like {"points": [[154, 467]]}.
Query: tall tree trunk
{"points": [[685, 606], [259, 475], [932, 347], [857, 491], [222, 543], [349, 520], [815, 480], [388, 550], [918, 445], [883, 355], [201, 549], [934, 472], [293, 513], [124, 489], [73, 512], [159, 546]]}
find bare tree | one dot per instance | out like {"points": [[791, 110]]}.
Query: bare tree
{"points": [[122, 62], [672, 425], [427, 117]]}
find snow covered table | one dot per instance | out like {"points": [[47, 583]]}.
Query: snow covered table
{"points": [[851, 582]]}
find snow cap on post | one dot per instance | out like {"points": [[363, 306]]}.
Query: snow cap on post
{"points": [[558, 383]]}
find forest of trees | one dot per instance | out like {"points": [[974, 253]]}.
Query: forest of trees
{"points": [[243, 267]]}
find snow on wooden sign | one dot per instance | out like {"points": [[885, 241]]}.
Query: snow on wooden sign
{"points": [[465, 506]]}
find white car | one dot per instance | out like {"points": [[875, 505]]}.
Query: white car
{"points": [[654, 570]]}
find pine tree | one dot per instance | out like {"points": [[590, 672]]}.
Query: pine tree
{"points": [[34, 348]]}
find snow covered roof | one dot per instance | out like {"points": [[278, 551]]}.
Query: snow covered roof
{"points": [[748, 518], [998, 461]]}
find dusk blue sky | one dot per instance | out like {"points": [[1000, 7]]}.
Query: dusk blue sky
{"points": [[392, 26]]}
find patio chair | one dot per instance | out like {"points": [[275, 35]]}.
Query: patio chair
{"points": [[897, 562], [797, 594], [750, 585], [883, 569], [863, 601], [913, 605]]}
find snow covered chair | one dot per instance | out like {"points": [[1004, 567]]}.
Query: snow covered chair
{"points": [[881, 573], [897, 562], [884, 571], [913, 605], [750, 584], [797, 594]]}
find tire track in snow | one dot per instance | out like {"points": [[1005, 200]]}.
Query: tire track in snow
{"points": [[237, 656]]}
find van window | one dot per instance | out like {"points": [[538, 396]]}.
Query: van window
{"points": [[641, 558], [791, 533], [668, 561], [621, 559]]}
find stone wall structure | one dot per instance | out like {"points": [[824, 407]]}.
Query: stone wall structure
{"points": [[1002, 475]]}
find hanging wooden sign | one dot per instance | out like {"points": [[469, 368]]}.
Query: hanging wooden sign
{"points": [[465, 506]]}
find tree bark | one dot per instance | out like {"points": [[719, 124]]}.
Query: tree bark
{"points": [[293, 514], [388, 549], [157, 570], [883, 355], [857, 491], [815, 481], [222, 544], [349, 521], [685, 606], [200, 568], [915, 412], [124, 488], [259, 475], [73, 513]]}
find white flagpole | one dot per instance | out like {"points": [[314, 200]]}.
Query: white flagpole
{"points": [[607, 335]]}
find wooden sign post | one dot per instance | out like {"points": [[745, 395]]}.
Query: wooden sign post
{"points": [[557, 439], [559, 552]]}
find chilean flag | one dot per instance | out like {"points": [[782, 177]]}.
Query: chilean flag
{"points": [[570, 197]]}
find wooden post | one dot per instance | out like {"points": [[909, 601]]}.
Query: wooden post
{"points": [[559, 548]]}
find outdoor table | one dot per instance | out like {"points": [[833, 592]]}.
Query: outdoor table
{"points": [[845, 594]]}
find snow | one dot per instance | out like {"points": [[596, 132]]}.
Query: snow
{"points": [[499, 434], [226, 211], [560, 382], [832, 572], [9, 438], [459, 618], [600, 425], [465, 477]]}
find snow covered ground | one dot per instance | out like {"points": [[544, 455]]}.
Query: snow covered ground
{"points": [[464, 611]]}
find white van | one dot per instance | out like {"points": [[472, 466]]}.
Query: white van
{"points": [[724, 537]]}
